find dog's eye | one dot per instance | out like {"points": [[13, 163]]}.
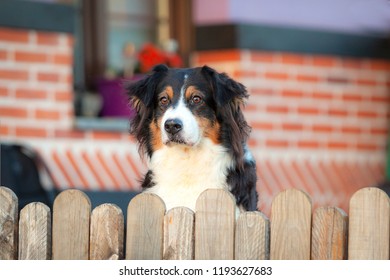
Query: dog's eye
{"points": [[164, 101], [196, 99]]}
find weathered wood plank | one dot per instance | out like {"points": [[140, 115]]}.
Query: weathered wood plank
{"points": [[35, 232], [107, 233], [71, 218], [214, 225], [8, 224], [252, 237], [329, 234], [145, 222], [179, 234], [369, 224], [291, 226]]}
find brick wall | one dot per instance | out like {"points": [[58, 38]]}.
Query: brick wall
{"points": [[320, 123], [36, 109]]}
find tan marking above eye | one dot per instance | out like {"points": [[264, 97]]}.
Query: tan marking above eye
{"points": [[192, 90], [169, 91]]}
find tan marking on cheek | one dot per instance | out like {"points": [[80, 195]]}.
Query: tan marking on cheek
{"points": [[210, 130], [156, 140]]}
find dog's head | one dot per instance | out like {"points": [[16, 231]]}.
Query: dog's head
{"points": [[185, 106]]}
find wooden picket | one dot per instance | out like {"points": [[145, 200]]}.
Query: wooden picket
{"points": [[107, 233], [8, 224], [145, 223], [329, 234], [71, 221], [179, 234], [35, 232], [369, 225], [214, 225], [291, 226], [216, 230]]}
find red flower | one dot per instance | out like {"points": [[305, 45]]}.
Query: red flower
{"points": [[149, 56]]}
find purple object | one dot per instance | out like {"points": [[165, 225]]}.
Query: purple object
{"points": [[115, 99]]}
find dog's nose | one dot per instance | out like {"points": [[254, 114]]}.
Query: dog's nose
{"points": [[173, 126]]}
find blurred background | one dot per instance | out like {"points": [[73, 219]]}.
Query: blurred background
{"points": [[318, 75]]}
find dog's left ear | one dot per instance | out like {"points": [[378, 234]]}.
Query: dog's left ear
{"points": [[225, 89], [229, 96]]}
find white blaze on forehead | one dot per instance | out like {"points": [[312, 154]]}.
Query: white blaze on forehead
{"points": [[190, 133]]}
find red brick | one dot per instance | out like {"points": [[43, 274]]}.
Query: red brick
{"points": [[292, 93], [4, 91], [277, 109], [380, 99], [70, 41], [263, 91], [308, 144], [308, 110], [368, 147], [292, 126], [30, 57], [324, 61], [337, 145], [251, 107], [338, 80], [352, 63], [263, 57], [13, 74], [4, 130], [44, 38], [322, 95], [30, 94], [14, 35], [47, 114], [379, 131], [381, 65], [48, 77], [351, 129], [3, 55], [13, 112], [322, 128], [244, 74], [63, 59], [76, 134], [205, 57], [288, 58], [337, 112], [366, 82], [276, 143], [276, 76], [352, 97], [307, 78], [64, 96], [30, 132], [367, 114], [263, 125]]}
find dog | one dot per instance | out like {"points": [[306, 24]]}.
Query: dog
{"points": [[190, 125]]}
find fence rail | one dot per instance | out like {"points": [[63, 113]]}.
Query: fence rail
{"points": [[213, 231]]}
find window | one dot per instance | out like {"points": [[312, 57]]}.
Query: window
{"points": [[106, 27]]}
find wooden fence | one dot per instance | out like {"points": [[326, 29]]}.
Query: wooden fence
{"points": [[214, 231]]}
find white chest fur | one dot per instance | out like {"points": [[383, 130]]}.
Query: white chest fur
{"points": [[182, 173]]}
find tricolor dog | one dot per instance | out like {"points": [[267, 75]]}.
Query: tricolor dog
{"points": [[190, 125]]}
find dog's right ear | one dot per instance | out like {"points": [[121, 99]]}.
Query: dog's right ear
{"points": [[141, 95], [142, 92]]}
